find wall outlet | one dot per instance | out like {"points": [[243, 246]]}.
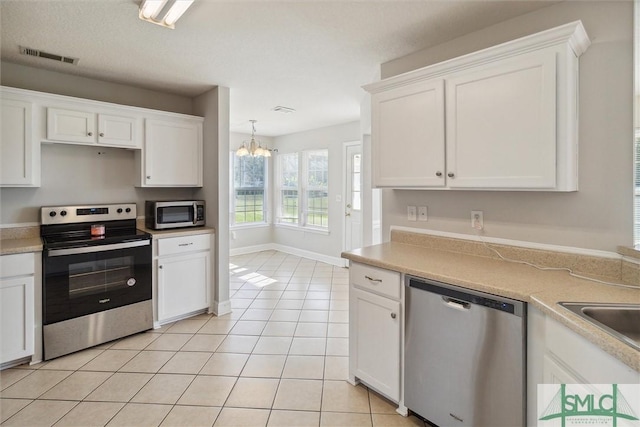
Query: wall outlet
{"points": [[422, 213], [477, 220], [411, 213]]}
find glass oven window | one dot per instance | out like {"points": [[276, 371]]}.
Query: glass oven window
{"points": [[175, 214], [99, 276]]}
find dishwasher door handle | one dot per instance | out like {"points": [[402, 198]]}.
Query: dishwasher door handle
{"points": [[457, 304]]}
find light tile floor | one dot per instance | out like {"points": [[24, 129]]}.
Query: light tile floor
{"points": [[279, 359]]}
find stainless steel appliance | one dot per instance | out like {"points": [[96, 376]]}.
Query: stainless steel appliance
{"points": [[464, 356], [160, 215], [96, 276]]}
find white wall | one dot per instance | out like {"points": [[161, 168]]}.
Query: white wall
{"points": [[599, 215], [331, 138], [214, 107], [80, 174], [242, 237]]}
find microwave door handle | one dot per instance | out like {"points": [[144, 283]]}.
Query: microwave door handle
{"points": [[195, 213]]}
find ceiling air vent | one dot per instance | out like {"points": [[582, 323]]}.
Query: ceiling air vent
{"points": [[41, 54], [281, 109]]}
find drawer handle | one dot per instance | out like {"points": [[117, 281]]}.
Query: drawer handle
{"points": [[185, 244], [372, 279]]}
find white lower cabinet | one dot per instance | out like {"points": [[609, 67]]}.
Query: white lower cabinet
{"points": [[183, 276], [375, 329], [558, 355], [17, 307]]}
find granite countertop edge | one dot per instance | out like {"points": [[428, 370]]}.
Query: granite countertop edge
{"points": [[20, 246], [542, 289]]}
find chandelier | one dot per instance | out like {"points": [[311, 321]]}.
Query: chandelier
{"points": [[255, 148]]}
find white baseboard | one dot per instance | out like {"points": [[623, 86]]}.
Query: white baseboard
{"points": [[221, 308], [337, 261], [252, 249]]}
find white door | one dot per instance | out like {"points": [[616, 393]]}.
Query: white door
{"points": [[353, 196]]}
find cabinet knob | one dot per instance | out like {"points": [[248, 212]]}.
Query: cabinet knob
{"points": [[89, 133], [148, 176], [160, 267], [393, 315], [451, 175], [438, 173], [101, 133]]}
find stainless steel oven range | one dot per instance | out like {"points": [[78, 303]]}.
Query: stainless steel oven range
{"points": [[96, 270]]}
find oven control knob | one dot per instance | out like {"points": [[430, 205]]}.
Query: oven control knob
{"points": [[127, 210], [131, 282], [119, 210], [63, 213], [52, 214]]}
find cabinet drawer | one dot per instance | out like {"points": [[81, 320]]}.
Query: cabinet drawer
{"points": [[374, 279], [17, 265], [178, 245]]}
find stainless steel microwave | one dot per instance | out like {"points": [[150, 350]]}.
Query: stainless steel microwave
{"points": [[160, 215]]}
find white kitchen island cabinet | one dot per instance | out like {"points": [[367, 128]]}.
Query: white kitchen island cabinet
{"points": [[506, 118], [17, 307], [172, 153], [183, 276], [19, 150], [375, 330]]}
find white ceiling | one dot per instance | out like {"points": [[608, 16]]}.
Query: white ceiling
{"points": [[312, 56]]}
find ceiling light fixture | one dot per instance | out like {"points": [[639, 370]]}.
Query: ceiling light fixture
{"points": [[163, 12], [255, 149]]}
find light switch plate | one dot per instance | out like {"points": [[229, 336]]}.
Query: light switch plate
{"points": [[411, 213]]}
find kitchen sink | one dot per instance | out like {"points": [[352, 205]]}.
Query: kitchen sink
{"points": [[620, 320]]}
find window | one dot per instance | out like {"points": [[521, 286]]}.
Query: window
{"points": [[303, 197], [636, 200], [288, 174], [248, 198]]}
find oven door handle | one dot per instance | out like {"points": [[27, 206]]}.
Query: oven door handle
{"points": [[98, 248]]}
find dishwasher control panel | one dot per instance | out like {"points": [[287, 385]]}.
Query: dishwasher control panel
{"points": [[454, 296]]}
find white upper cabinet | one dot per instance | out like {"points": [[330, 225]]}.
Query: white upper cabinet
{"points": [[501, 124], [85, 127], [409, 117], [19, 150], [503, 118], [172, 154]]}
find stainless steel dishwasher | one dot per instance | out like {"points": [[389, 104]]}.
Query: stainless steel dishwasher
{"points": [[465, 356]]}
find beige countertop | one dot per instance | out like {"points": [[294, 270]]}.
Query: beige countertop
{"points": [[19, 246], [177, 232], [27, 239], [542, 289]]}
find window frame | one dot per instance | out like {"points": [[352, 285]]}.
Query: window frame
{"points": [[233, 160], [303, 189]]}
